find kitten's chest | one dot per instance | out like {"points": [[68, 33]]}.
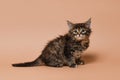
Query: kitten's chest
{"points": [[76, 46], [77, 54], [79, 46]]}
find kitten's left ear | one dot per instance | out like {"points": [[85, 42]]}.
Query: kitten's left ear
{"points": [[70, 24], [88, 23]]}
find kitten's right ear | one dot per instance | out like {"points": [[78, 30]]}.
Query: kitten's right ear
{"points": [[88, 23], [70, 24]]}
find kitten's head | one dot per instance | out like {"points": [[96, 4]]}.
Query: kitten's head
{"points": [[79, 31]]}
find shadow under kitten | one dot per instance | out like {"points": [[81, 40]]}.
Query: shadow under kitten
{"points": [[90, 57]]}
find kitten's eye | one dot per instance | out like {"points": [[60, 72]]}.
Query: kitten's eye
{"points": [[75, 32], [83, 31]]}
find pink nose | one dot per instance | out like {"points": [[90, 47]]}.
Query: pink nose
{"points": [[80, 35]]}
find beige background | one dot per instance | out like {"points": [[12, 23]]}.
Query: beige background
{"points": [[27, 25]]}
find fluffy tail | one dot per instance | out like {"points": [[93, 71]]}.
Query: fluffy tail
{"points": [[27, 64]]}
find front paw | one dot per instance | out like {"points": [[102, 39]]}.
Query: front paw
{"points": [[80, 62], [73, 65]]}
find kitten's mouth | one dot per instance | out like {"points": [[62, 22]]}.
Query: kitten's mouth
{"points": [[81, 37]]}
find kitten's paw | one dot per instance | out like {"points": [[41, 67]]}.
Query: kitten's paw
{"points": [[82, 62], [73, 65], [59, 65]]}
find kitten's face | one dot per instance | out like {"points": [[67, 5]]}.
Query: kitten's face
{"points": [[80, 31]]}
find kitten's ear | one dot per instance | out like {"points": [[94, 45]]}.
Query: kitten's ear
{"points": [[70, 24], [88, 23]]}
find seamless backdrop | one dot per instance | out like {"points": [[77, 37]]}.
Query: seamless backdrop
{"points": [[27, 25]]}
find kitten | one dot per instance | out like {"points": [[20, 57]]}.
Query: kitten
{"points": [[64, 50]]}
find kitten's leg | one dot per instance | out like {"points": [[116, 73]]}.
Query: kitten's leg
{"points": [[55, 63], [80, 62], [71, 62], [59, 63], [70, 59]]}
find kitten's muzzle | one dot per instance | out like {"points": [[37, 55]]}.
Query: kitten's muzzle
{"points": [[80, 37]]}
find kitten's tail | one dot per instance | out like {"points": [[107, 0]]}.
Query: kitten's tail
{"points": [[28, 64]]}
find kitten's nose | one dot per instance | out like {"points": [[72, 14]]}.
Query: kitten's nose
{"points": [[80, 35]]}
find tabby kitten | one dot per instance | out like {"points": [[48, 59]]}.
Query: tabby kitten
{"points": [[64, 50]]}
